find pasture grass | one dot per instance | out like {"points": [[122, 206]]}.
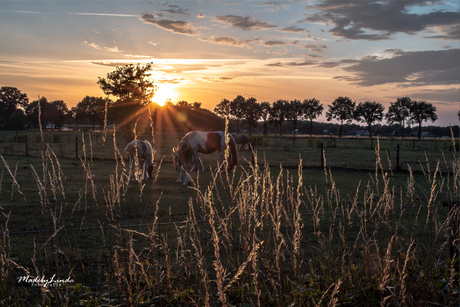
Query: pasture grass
{"points": [[264, 235]]}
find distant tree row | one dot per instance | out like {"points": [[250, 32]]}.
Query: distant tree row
{"points": [[248, 111], [16, 112]]}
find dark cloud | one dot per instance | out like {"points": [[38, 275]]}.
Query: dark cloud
{"points": [[175, 9], [379, 20], [318, 48], [418, 68], [230, 41], [273, 43], [293, 29], [175, 26], [292, 64], [245, 22]]}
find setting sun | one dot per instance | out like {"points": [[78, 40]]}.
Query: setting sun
{"points": [[163, 93]]}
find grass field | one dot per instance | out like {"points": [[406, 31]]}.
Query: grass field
{"points": [[353, 233]]}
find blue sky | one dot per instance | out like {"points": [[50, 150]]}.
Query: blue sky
{"points": [[210, 50]]}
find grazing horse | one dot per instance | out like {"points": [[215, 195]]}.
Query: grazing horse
{"points": [[243, 140], [205, 142], [144, 154], [183, 159]]}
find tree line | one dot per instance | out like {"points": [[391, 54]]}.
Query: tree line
{"points": [[132, 108], [402, 111]]}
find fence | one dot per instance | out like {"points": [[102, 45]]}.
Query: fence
{"points": [[317, 151]]}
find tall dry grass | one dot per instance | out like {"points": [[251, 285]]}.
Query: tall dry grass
{"points": [[258, 237]]}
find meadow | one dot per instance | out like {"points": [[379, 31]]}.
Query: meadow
{"points": [[282, 232]]}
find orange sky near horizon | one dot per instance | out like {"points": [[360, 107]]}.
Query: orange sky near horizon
{"points": [[206, 52]]}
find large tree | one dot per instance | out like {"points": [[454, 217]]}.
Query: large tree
{"points": [[223, 108], [238, 110], [91, 110], [369, 112], [341, 109], [399, 112], [422, 111], [278, 113], [251, 113], [294, 113], [264, 115], [37, 112], [11, 101], [134, 90], [312, 109], [58, 113]]}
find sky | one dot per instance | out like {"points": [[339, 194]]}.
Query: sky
{"points": [[206, 51]]}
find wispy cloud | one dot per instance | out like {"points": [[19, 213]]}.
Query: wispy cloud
{"points": [[229, 41]]}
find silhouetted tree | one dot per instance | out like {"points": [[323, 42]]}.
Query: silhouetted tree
{"points": [[369, 112], [399, 112], [182, 103], [237, 110], [223, 108], [422, 111], [196, 105], [342, 109], [134, 90], [264, 115], [11, 100], [91, 110], [36, 107], [278, 113], [312, 109], [251, 113], [294, 112], [58, 112]]}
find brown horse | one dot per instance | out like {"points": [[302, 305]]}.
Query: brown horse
{"points": [[206, 143], [243, 140]]}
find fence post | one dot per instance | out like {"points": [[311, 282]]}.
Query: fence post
{"points": [[322, 155], [397, 158], [76, 147], [372, 143], [27, 146]]}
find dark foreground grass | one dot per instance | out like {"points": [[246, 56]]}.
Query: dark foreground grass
{"points": [[261, 236]]}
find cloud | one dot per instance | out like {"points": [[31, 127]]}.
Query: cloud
{"points": [[292, 64], [177, 26], [245, 22], [293, 29], [418, 68], [175, 9], [229, 41], [380, 20]]}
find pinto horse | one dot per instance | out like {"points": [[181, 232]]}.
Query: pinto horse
{"points": [[183, 159], [243, 140], [144, 157], [206, 143]]}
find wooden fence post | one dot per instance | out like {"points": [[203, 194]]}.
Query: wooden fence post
{"points": [[397, 158], [27, 146], [76, 147]]}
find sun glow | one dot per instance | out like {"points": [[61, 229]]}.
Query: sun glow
{"points": [[163, 93]]}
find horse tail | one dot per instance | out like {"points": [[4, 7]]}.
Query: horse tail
{"points": [[233, 153]]}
